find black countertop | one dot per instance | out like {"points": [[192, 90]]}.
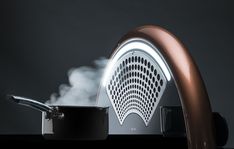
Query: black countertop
{"points": [[117, 140]]}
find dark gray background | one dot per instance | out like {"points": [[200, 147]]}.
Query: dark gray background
{"points": [[41, 40]]}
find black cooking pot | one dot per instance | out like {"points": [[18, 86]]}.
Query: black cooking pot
{"points": [[70, 122]]}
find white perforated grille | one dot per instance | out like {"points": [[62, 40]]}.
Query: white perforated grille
{"points": [[135, 85]]}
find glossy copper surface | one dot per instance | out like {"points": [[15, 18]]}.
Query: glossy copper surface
{"points": [[192, 91]]}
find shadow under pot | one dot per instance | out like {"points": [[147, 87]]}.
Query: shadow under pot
{"points": [[70, 122]]}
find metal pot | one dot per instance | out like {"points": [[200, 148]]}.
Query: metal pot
{"points": [[69, 122]]}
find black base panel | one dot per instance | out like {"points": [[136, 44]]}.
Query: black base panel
{"points": [[116, 140]]}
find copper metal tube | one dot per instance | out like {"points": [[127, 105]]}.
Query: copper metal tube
{"points": [[192, 91]]}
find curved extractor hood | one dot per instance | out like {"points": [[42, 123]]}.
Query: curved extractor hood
{"points": [[151, 54]]}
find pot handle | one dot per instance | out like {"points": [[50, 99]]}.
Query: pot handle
{"points": [[51, 112]]}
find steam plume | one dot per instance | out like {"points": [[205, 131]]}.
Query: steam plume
{"points": [[83, 86]]}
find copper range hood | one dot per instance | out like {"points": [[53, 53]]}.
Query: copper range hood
{"points": [[191, 89]]}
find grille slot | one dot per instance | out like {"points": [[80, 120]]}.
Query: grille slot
{"points": [[135, 85]]}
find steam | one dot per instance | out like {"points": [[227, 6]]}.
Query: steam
{"points": [[83, 85]]}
